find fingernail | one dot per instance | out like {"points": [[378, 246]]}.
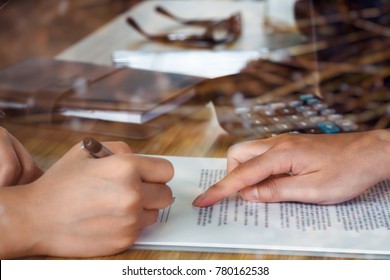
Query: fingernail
{"points": [[251, 194], [198, 200]]}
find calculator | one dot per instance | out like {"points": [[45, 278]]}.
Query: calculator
{"points": [[269, 98], [305, 114]]}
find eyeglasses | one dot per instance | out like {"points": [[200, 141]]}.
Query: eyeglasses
{"points": [[216, 32]]}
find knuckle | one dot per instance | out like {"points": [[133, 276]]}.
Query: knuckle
{"points": [[131, 165], [131, 201], [122, 147], [285, 145], [292, 140], [11, 172], [30, 170], [126, 166], [236, 149], [232, 151], [134, 219]]}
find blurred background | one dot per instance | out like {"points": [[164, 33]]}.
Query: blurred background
{"points": [[47, 27]]}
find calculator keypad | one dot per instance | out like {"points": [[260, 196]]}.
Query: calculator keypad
{"points": [[308, 114]]}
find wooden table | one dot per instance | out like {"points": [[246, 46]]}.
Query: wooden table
{"points": [[198, 136]]}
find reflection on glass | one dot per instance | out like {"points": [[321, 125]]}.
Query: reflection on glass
{"points": [[279, 16], [327, 72], [336, 81], [216, 32]]}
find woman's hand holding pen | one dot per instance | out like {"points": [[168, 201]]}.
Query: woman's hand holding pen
{"points": [[322, 169], [83, 206], [17, 166]]}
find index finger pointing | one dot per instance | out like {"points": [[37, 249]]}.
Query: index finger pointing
{"points": [[247, 174]]}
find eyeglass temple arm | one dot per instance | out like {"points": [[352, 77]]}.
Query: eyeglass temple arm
{"points": [[135, 25], [161, 10]]}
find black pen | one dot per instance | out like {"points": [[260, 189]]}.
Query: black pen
{"points": [[95, 148]]}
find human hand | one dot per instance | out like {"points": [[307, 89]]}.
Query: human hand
{"points": [[84, 207], [322, 169], [17, 165]]}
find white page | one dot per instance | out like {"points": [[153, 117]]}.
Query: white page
{"points": [[361, 226], [208, 64]]}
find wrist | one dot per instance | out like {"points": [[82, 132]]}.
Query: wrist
{"points": [[382, 144], [17, 233]]}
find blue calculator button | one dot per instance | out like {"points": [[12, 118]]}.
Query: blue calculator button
{"points": [[305, 97], [308, 99], [328, 127]]}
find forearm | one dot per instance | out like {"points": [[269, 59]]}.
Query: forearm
{"points": [[16, 236]]}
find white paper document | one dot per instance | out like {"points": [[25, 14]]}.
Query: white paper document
{"points": [[208, 64], [360, 226]]}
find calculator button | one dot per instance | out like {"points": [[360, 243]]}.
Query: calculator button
{"points": [[328, 127], [293, 118], [286, 111], [276, 106], [310, 99], [347, 125], [313, 130], [309, 113], [269, 112], [302, 108], [303, 124], [263, 129], [334, 117], [320, 106], [259, 108], [257, 122], [306, 97], [326, 112], [313, 101], [283, 127], [241, 110], [294, 103], [317, 119]]}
